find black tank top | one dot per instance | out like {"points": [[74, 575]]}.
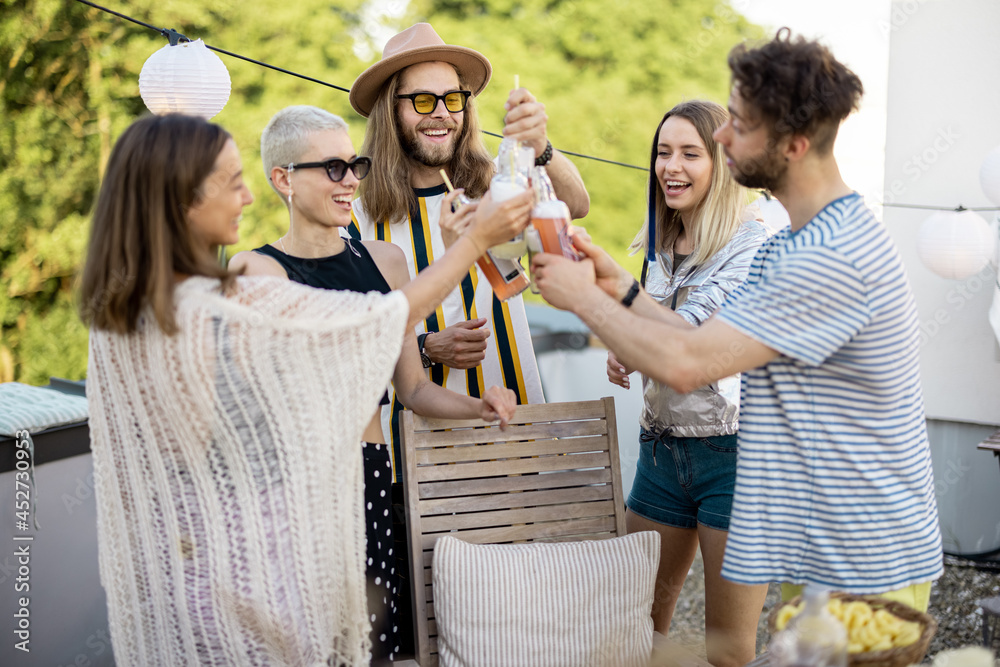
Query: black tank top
{"points": [[353, 270]]}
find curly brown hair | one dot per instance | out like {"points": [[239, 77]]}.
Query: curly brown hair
{"points": [[796, 86]]}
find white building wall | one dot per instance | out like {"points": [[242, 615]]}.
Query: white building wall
{"points": [[943, 118]]}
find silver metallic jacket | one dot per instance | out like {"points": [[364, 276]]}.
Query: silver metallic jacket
{"points": [[715, 408]]}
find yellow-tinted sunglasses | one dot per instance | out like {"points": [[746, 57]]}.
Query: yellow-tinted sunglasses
{"points": [[426, 103]]}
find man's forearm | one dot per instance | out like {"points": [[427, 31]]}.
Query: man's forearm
{"points": [[648, 345], [646, 307], [568, 184], [643, 305]]}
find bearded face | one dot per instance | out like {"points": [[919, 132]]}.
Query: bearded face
{"points": [[764, 170], [431, 142], [752, 154], [429, 139]]}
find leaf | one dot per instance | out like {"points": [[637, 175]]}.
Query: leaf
{"points": [[69, 86]]}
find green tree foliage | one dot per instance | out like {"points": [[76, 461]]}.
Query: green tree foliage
{"points": [[606, 72], [69, 87]]}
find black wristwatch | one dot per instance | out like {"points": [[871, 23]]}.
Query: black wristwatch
{"points": [[424, 359]]}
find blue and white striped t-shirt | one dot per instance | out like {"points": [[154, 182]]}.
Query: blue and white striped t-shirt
{"points": [[834, 482]]}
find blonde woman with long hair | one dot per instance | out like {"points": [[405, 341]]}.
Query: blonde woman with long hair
{"points": [[697, 251]]}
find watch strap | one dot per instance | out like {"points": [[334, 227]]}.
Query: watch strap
{"points": [[424, 359], [633, 292]]}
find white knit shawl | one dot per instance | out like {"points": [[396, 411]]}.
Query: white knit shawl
{"points": [[228, 473]]}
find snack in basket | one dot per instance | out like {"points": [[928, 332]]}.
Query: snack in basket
{"points": [[867, 629]]}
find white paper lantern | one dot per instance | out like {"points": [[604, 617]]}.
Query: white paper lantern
{"points": [[955, 244], [989, 176], [185, 78]]}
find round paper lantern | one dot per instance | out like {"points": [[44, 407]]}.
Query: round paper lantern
{"points": [[185, 78], [989, 176], [955, 244]]}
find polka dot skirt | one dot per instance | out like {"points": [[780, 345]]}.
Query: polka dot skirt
{"points": [[383, 580]]}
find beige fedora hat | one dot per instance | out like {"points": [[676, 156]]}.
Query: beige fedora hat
{"points": [[417, 44]]}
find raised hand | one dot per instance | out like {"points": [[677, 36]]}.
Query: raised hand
{"points": [[453, 225], [526, 120], [560, 279], [498, 223], [612, 278]]}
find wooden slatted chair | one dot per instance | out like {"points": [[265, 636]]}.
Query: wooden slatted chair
{"points": [[552, 475]]}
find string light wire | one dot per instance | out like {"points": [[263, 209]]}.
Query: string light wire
{"points": [[957, 209], [174, 36]]}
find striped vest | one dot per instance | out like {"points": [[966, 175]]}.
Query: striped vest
{"points": [[510, 358]]}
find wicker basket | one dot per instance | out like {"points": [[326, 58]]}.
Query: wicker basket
{"points": [[894, 657]]}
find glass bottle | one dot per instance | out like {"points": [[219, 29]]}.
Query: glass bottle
{"points": [[550, 217], [514, 163], [507, 277], [813, 638]]}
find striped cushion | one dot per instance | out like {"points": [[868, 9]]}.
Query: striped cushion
{"points": [[546, 604], [34, 409]]}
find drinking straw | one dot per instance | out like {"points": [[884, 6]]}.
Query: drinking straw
{"points": [[513, 156], [447, 181]]}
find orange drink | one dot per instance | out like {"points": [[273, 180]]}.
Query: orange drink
{"points": [[551, 220]]}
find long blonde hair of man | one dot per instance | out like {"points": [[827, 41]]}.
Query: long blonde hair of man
{"points": [[386, 193]]}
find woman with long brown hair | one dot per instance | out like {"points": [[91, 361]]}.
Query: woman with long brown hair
{"points": [[226, 413]]}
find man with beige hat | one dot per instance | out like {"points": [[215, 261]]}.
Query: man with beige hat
{"points": [[420, 103]]}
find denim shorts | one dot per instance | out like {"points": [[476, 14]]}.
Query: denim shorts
{"points": [[682, 482]]}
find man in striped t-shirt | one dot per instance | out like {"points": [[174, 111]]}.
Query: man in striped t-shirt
{"points": [[834, 483]]}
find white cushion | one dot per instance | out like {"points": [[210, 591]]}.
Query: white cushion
{"points": [[546, 604]]}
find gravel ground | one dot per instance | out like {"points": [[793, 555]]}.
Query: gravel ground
{"points": [[953, 604]]}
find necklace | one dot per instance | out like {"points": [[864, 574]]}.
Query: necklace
{"points": [[347, 242]]}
